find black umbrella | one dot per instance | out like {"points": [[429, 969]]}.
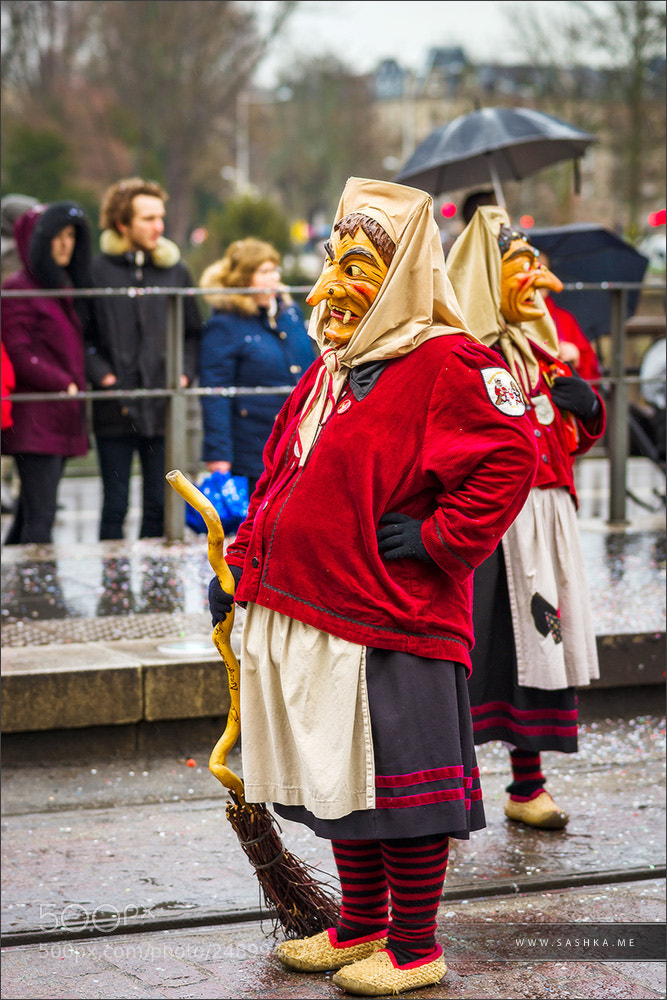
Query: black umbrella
{"points": [[586, 253], [491, 145]]}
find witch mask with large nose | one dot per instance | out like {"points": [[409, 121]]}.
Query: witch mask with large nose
{"points": [[359, 253]]}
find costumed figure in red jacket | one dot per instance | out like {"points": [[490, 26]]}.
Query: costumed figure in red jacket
{"points": [[534, 635], [574, 347], [43, 337], [8, 386], [383, 488]]}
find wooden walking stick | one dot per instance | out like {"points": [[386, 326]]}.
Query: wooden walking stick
{"points": [[299, 902]]}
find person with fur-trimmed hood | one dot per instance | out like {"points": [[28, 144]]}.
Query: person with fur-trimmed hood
{"points": [[44, 339], [250, 340], [127, 349]]}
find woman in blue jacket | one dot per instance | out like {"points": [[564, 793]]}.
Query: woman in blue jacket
{"points": [[250, 340]]}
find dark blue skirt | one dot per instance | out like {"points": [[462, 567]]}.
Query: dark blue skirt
{"points": [[426, 774]]}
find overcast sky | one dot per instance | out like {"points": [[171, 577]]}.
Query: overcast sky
{"points": [[363, 33]]}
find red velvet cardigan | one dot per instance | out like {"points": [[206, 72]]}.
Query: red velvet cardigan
{"points": [[428, 440], [556, 453]]}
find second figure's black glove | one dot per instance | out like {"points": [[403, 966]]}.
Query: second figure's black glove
{"points": [[575, 394], [219, 601], [400, 537]]}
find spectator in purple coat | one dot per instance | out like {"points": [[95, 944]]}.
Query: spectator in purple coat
{"points": [[43, 337]]}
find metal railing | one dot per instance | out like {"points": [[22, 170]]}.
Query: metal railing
{"points": [[615, 383]]}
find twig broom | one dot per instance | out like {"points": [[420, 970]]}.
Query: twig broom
{"points": [[299, 902]]}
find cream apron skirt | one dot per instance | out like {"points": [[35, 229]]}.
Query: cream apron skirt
{"points": [[355, 742], [534, 634]]}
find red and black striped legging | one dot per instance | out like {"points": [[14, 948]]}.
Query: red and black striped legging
{"points": [[409, 872]]}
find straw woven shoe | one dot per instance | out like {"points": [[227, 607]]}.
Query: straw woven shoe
{"points": [[541, 812], [322, 952], [380, 976]]}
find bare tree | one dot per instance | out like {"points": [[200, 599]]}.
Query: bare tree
{"points": [[624, 42], [161, 76], [175, 70], [632, 34], [40, 43]]}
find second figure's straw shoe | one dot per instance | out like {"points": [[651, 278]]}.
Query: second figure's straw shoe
{"points": [[540, 812]]}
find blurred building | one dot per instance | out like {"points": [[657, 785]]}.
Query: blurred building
{"points": [[409, 105]]}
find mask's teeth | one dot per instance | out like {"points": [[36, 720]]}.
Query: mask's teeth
{"points": [[346, 317]]}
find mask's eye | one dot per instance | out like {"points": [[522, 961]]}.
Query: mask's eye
{"points": [[354, 271]]}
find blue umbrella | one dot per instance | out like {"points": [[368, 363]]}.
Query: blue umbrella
{"points": [[587, 253]]}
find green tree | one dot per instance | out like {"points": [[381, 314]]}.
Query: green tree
{"points": [[38, 162], [243, 216]]}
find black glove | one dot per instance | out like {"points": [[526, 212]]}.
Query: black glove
{"points": [[219, 601], [575, 394], [401, 538]]}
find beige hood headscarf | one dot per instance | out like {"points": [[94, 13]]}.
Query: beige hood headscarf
{"points": [[415, 303], [473, 266]]}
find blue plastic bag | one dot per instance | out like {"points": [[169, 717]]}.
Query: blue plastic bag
{"points": [[229, 496]]}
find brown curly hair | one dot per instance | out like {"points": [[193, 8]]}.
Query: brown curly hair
{"points": [[235, 270], [117, 200]]}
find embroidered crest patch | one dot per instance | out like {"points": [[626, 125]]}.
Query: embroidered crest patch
{"points": [[503, 391]]}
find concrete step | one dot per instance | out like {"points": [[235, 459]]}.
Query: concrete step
{"points": [[180, 675]]}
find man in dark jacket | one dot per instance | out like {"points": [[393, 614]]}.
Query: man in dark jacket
{"points": [[127, 348]]}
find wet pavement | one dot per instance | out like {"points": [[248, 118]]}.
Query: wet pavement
{"points": [[109, 633], [69, 591], [236, 960], [149, 830], [121, 876]]}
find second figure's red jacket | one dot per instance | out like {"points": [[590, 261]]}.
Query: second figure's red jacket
{"points": [[559, 437], [430, 440], [569, 331]]}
